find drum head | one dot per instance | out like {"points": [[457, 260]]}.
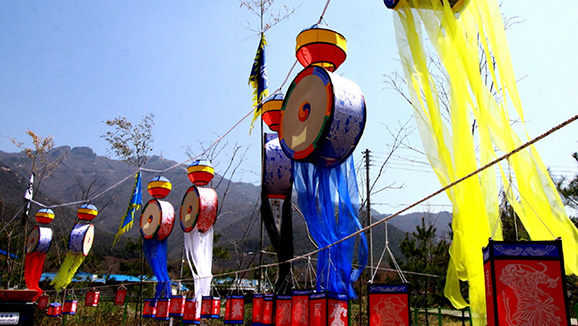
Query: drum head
{"points": [[306, 113], [157, 219], [88, 240], [32, 241], [189, 209]]}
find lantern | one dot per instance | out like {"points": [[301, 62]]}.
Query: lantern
{"points": [[525, 283], [87, 212], [235, 309], [54, 309], [211, 307], [328, 308], [321, 46], [271, 111], [283, 310], [455, 4], [69, 307], [388, 304], [163, 306], [177, 307], [300, 307], [43, 302], [159, 187], [257, 309], [268, 313], [91, 299], [201, 172], [190, 312], [45, 216], [149, 308], [120, 297]]}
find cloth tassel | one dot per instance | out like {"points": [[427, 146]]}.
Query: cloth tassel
{"points": [[156, 254], [33, 267], [66, 272], [199, 253]]}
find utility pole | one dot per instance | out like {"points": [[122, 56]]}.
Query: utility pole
{"points": [[366, 155]]}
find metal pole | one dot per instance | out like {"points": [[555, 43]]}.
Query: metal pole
{"points": [[368, 216]]}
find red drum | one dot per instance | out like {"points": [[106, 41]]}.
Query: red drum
{"points": [[157, 219], [39, 240], [199, 208], [278, 171], [81, 238], [322, 118]]}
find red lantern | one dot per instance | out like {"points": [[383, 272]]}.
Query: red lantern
{"points": [[69, 307], [328, 308], [87, 212], [283, 310], [271, 111], [388, 304], [321, 46], [525, 283], [45, 216], [300, 308], [177, 307], [163, 307], [257, 309], [201, 172], [211, 307], [268, 313], [235, 309], [190, 313], [159, 187], [54, 309], [149, 308], [92, 298], [120, 297], [43, 302]]}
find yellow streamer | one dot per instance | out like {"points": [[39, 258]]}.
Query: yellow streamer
{"points": [[454, 150], [66, 272]]}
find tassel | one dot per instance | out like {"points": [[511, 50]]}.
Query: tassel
{"points": [[33, 266], [67, 270]]}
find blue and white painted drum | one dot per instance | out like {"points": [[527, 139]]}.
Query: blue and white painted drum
{"points": [[322, 118], [278, 171], [39, 240], [81, 238]]}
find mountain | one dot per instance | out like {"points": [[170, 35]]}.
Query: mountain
{"points": [[81, 173]]}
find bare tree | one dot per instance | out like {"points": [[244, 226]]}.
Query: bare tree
{"points": [[131, 143]]}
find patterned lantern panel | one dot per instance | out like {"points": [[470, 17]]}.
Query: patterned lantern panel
{"points": [[211, 307], [69, 307], [159, 187], [388, 304], [44, 216], [190, 312], [92, 298], [271, 111], [177, 308], [235, 309], [201, 172], [300, 308], [321, 46], [54, 309], [283, 310], [163, 306], [257, 315], [87, 212], [328, 309], [120, 297], [149, 308], [525, 283], [43, 302], [268, 312]]}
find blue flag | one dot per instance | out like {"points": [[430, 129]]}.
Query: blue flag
{"points": [[134, 205], [258, 78]]}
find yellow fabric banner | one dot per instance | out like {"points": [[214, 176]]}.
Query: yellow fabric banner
{"points": [[463, 122]]}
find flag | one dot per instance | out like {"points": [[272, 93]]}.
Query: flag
{"points": [[27, 198], [258, 78], [134, 204]]}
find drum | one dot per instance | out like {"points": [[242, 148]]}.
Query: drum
{"points": [[322, 118], [157, 219], [81, 238], [278, 172], [199, 207], [39, 240]]}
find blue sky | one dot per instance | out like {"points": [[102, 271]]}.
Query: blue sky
{"points": [[68, 66]]}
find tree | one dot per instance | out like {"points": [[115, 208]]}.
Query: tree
{"points": [[426, 254], [131, 143], [568, 189]]}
